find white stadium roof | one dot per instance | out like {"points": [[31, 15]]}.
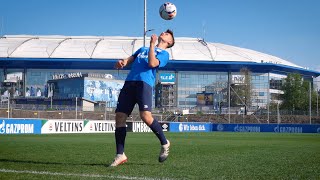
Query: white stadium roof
{"points": [[117, 47]]}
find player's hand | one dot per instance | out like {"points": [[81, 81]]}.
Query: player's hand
{"points": [[120, 64], [153, 39]]}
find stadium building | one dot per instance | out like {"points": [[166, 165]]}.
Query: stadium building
{"points": [[209, 76]]}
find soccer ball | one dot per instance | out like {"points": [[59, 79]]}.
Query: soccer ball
{"points": [[168, 11]]}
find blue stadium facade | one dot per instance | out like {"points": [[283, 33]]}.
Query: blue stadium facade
{"points": [[29, 65]]}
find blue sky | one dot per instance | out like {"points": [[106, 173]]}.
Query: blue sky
{"points": [[289, 29]]}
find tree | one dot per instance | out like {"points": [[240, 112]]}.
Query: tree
{"points": [[296, 93]]}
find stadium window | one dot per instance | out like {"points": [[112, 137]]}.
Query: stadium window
{"points": [[204, 76], [35, 73], [185, 75]]}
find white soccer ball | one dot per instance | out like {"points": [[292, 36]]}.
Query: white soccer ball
{"points": [[168, 11]]}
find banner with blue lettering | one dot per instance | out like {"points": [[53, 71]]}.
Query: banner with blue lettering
{"points": [[190, 127], [277, 128], [20, 126], [167, 78]]}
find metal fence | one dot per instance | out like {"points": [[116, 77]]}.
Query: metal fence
{"points": [[244, 112], [283, 116]]}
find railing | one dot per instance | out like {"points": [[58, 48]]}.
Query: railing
{"points": [[105, 113]]}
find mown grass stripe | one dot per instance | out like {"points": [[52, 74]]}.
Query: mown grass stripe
{"points": [[76, 175]]}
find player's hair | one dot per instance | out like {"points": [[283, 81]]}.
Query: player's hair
{"points": [[171, 32]]}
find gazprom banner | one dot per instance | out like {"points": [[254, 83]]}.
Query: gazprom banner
{"points": [[276, 128], [20, 126], [190, 127]]}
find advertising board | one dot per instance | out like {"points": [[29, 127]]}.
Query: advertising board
{"points": [[20, 126]]}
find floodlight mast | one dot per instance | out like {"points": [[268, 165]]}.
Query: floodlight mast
{"points": [[145, 23]]}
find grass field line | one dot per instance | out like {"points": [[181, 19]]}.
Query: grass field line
{"points": [[76, 175]]}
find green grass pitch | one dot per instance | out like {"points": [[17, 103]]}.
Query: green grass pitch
{"points": [[216, 155]]}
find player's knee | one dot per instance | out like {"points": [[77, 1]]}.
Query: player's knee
{"points": [[146, 117], [121, 119]]}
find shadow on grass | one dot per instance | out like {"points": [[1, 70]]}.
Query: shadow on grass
{"points": [[53, 163], [72, 164]]}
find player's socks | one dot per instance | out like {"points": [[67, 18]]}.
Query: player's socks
{"points": [[120, 135], [157, 130]]}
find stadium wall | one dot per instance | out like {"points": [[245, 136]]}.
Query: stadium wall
{"points": [[41, 126]]}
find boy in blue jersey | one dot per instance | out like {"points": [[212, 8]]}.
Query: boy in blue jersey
{"points": [[137, 89]]}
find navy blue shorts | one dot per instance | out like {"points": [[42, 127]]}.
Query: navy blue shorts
{"points": [[134, 92]]}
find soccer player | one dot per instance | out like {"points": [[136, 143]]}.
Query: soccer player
{"points": [[137, 89]]}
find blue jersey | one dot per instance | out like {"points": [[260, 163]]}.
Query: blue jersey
{"points": [[140, 70]]}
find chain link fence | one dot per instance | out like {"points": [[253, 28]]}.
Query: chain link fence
{"points": [[241, 110]]}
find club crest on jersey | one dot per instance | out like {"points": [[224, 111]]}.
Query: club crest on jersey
{"points": [[143, 54]]}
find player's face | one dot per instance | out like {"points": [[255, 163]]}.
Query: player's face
{"points": [[166, 37]]}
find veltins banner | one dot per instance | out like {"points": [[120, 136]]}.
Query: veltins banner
{"points": [[61, 126]]}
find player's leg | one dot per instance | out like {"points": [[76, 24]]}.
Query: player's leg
{"points": [[120, 131], [126, 102], [155, 126], [144, 98], [120, 136]]}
